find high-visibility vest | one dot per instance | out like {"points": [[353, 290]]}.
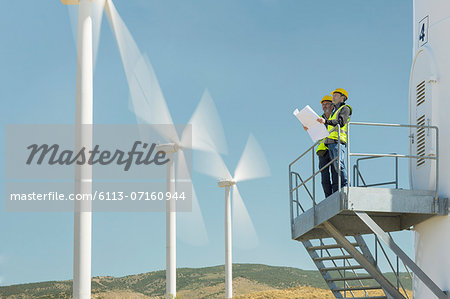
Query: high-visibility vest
{"points": [[322, 147], [343, 133]]}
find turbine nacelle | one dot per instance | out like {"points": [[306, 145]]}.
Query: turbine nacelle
{"points": [[226, 183], [70, 2], [168, 147]]}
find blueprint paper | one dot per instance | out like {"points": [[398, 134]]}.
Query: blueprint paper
{"points": [[308, 118]]}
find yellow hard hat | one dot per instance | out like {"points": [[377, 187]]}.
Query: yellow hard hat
{"points": [[342, 91], [326, 98]]}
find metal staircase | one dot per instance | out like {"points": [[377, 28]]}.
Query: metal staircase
{"points": [[345, 277], [331, 230]]}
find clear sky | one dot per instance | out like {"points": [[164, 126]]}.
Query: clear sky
{"points": [[260, 59]]}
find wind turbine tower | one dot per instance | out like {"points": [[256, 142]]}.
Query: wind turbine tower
{"points": [[83, 137], [429, 105], [252, 165]]}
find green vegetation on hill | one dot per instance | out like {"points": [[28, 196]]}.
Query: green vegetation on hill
{"points": [[189, 279]]}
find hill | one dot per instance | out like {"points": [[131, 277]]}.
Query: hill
{"points": [[191, 283]]}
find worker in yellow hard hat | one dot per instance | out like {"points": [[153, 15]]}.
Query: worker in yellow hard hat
{"points": [[341, 115], [324, 154]]}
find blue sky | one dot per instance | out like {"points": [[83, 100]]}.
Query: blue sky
{"points": [[259, 59]]}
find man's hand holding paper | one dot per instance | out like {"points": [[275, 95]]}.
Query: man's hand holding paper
{"points": [[309, 118]]}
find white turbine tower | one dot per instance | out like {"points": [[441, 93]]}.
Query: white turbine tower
{"points": [[252, 165], [150, 107], [429, 87], [83, 138], [194, 226]]}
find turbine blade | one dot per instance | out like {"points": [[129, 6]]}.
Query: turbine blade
{"points": [[212, 164], [207, 129], [253, 163], [184, 167], [244, 233], [97, 17], [191, 228], [73, 17], [147, 100], [146, 96]]}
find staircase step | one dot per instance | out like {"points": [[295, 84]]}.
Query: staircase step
{"points": [[350, 278], [341, 268], [360, 288], [337, 257], [331, 246]]}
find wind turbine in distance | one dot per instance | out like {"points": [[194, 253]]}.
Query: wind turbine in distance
{"points": [[194, 227], [252, 165], [148, 103]]}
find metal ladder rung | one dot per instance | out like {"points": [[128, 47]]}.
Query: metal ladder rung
{"points": [[331, 246], [350, 278], [341, 268], [361, 288], [337, 257]]}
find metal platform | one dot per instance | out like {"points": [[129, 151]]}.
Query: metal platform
{"points": [[359, 210], [391, 209]]}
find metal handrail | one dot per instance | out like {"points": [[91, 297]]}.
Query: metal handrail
{"points": [[435, 128], [337, 127], [365, 155], [314, 174], [356, 168], [354, 273], [396, 273]]}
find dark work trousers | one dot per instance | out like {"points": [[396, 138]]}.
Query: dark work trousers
{"points": [[327, 186], [333, 149]]}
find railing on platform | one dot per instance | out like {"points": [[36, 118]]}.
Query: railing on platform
{"points": [[396, 271], [296, 181], [357, 174]]}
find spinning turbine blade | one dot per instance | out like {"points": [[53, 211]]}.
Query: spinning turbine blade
{"points": [[192, 229], [147, 99], [244, 234], [97, 17], [183, 171], [207, 129], [253, 163], [212, 164], [73, 16]]}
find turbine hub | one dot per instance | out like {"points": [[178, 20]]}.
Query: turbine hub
{"points": [[226, 183]]}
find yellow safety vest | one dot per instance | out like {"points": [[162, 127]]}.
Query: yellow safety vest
{"points": [[322, 147], [334, 135]]}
